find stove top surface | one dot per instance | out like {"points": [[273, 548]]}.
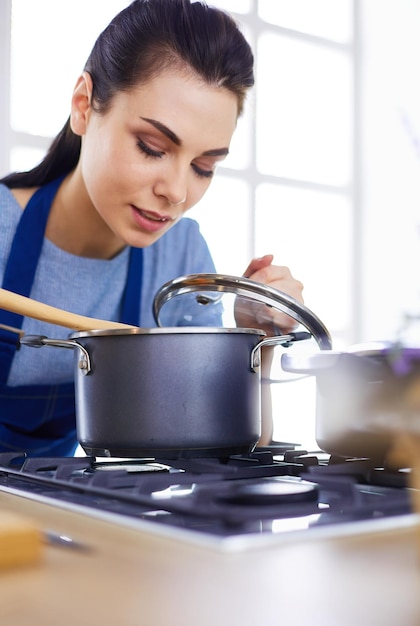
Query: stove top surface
{"points": [[268, 494]]}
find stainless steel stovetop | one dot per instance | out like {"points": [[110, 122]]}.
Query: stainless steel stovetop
{"points": [[268, 496]]}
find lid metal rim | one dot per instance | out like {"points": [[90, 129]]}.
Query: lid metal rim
{"points": [[168, 330]]}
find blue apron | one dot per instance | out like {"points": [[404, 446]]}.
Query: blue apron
{"points": [[40, 419]]}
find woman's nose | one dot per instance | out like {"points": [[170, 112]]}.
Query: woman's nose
{"points": [[177, 203], [173, 187]]}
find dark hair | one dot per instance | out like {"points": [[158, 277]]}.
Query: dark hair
{"points": [[142, 40]]}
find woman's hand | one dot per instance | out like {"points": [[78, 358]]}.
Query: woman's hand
{"points": [[250, 314]]}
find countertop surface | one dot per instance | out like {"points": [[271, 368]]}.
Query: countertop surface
{"points": [[130, 578]]}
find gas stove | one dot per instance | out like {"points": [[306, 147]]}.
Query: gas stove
{"points": [[235, 502]]}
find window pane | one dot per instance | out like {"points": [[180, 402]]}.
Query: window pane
{"points": [[310, 232], [22, 159], [325, 18], [225, 221], [50, 43], [294, 405], [304, 120], [239, 156]]}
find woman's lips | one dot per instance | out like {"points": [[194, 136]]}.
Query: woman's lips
{"points": [[149, 221]]}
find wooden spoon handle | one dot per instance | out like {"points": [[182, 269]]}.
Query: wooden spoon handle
{"points": [[32, 308]]}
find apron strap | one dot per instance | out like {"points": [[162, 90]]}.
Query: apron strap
{"points": [[130, 311], [21, 266], [28, 240]]}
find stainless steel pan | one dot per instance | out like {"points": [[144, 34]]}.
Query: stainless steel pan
{"points": [[361, 395]]}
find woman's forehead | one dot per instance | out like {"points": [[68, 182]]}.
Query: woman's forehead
{"points": [[183, 104]]}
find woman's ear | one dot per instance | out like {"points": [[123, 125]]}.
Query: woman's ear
{"points": [[81, 104]]}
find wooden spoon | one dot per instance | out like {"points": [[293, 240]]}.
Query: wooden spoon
{"points": [[32, 308]]}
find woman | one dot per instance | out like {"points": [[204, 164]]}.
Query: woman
{"points": [[96, 227]]}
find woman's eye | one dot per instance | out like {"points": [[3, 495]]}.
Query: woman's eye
{"points": [[158, 154], [202, 173], [148, 151]]}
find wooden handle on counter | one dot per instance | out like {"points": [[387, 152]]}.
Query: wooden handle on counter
{"points": [[20, 540], [32, 308]]}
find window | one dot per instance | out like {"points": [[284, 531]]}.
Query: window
{"points": [[287, 186]]}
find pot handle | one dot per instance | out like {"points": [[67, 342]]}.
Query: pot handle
{"points": [[244, 287], [364, 362], [276, 340], [39, 341]]}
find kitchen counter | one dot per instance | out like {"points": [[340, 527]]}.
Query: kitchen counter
{"points": [[130, 578]]}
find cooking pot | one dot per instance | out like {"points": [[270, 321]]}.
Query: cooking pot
{"points": [[361, 395], [177, 391]]}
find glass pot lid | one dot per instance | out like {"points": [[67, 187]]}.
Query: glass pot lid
{"points": [[202, 303]]}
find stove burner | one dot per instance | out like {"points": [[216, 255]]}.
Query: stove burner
{"points": [[271, 492], [129, 466]]}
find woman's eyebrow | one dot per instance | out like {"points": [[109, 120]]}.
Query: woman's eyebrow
{"points": [[164, 129], [216, 152], [177, 141]]}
